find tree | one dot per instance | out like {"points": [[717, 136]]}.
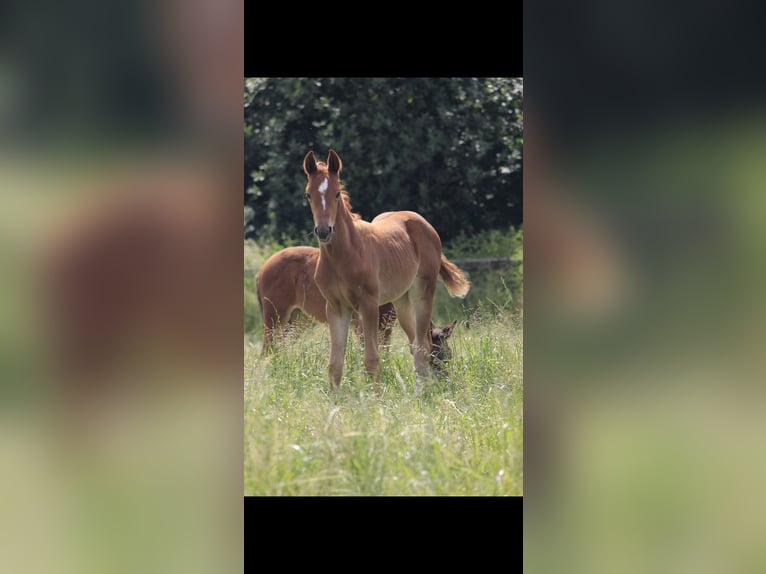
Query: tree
{"points": [[449, 148]]}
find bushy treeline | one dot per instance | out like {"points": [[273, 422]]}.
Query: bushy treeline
{"points": [[449, 148]]}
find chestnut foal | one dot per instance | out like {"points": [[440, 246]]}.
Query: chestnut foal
{"points": [[396, 258]]}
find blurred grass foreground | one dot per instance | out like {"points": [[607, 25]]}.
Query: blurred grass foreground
{"points": [[120, 287], [644, 369]]}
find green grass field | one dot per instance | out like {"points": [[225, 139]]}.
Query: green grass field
{"points": [[462, 436]]}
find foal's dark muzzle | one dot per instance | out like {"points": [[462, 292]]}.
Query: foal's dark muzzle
{"points": [[324, 233]]}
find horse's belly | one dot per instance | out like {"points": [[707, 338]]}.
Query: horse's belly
{"points": [[392, 288]]}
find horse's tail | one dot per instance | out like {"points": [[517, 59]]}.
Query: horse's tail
{"points": [[454, 279]]}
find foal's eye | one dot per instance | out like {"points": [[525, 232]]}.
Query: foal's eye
{"points": [[337, 195]]}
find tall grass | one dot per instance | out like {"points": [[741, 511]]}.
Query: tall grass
{"points": [[492, 291], [461, 436]]}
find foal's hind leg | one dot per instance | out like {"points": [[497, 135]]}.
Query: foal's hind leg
{"points": [[270, 319], [422, 297], [386, 320], [368, 309], [273, 317], [405, 316]]}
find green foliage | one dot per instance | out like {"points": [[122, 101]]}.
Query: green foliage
{"points": [[488, 243], [463, 436], [449, 148], [494, 292]]}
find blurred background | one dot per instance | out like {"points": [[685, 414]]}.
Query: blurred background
{"points": [[644, 207], [120, 290], [643, 200]]}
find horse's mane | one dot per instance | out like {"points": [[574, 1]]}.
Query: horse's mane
{"points": [[322, 167]]}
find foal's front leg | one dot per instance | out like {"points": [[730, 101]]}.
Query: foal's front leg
{"points": [[368, 309], [338, 318]]}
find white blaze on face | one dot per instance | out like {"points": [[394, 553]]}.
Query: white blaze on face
{"points": [[322, 189]]}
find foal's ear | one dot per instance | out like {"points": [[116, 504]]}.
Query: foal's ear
{"points": [[334, 165], [310, 163], [447, 331]]}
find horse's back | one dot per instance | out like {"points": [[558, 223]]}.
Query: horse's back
{"points": [[411, 221], [420, 233], [287, 265], [400, 216], [288, 275]]}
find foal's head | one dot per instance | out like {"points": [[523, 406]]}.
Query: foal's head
{"points": [[323, 192], [440, 351]]}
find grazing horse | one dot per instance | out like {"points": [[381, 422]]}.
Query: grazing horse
{"points": [[440, 351], [396, 258], [286, 283]]}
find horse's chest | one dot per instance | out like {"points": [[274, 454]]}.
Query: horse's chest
{"points": [[339, 287]]}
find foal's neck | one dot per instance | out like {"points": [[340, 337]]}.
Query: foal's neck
{"points": [[344, 234]]}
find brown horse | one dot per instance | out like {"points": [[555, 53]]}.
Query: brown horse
{"points": [[285, 283], [396, 258], [440, 350]]}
